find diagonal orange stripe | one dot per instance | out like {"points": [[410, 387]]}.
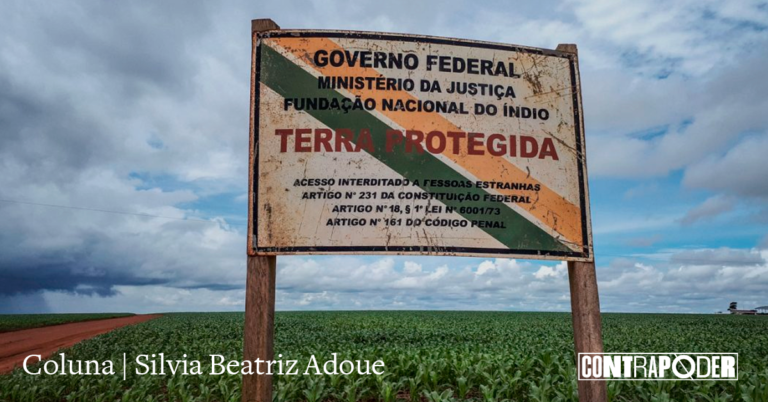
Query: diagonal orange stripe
{"points": [[550, 208]]}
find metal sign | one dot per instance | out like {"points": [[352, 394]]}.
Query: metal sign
{"points": [[398, 144]]}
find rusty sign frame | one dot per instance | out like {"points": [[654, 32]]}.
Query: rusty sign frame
{"points": [[586, 253]]}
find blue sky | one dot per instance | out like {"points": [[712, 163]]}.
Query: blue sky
{"points": [[141, 108]]}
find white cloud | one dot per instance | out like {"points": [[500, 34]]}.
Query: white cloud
{"points": [[694, 35], [740, 171], [722, 256], [557, 271], [688, 280], [411, 268], [699, 280]]}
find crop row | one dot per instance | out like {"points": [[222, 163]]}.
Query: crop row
{"points": [[429, 356]]}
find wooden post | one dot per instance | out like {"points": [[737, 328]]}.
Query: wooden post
{"points": [[587, 327], [259, 328], [585, 302], [258, 333]]}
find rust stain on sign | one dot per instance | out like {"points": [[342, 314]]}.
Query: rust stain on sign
{"points": [[398, 144]]}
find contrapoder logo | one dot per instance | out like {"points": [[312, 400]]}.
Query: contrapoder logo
{"points": [[658, 366]]}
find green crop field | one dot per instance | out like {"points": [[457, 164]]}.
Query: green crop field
{"points": [[429, 356], [13, 322]]}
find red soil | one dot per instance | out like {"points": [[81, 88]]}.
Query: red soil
{"points": [[15, 346]]}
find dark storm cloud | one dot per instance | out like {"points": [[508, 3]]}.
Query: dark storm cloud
{"points": [[68, 277], [113, 252]]}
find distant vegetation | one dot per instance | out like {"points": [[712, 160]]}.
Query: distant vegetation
{"points": [[13, 322], [429, 356]]}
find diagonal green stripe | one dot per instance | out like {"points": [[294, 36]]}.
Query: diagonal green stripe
{"points": [[291, 81]]}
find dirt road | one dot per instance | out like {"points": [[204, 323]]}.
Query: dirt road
{"points": [[17, 345]]}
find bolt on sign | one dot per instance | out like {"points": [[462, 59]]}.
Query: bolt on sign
{"points": [[399, 144]]}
